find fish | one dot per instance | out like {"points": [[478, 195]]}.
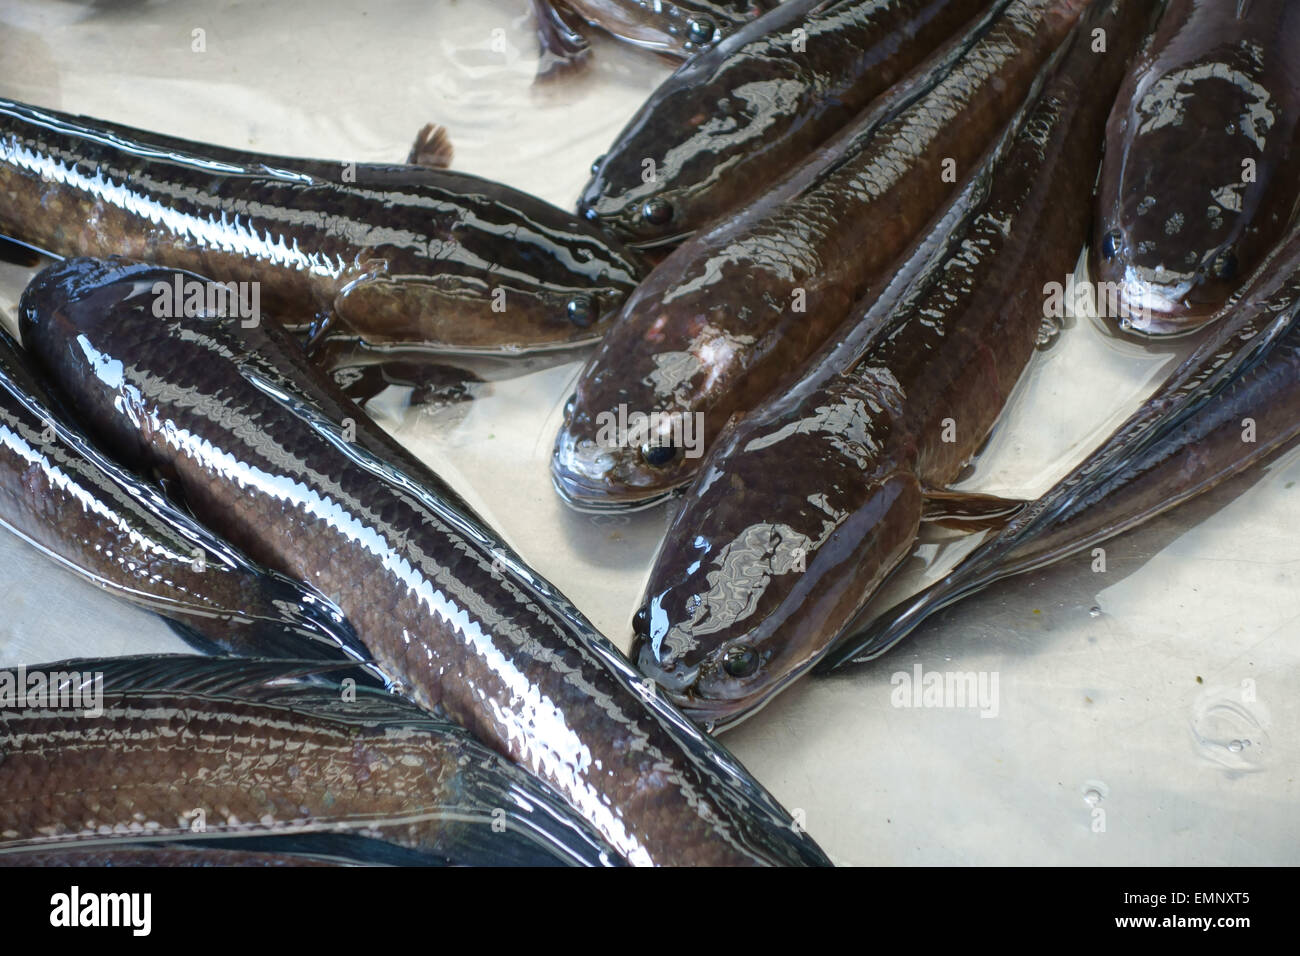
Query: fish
{"points": [[731, 315], [733, 120], [398, 254], [201, 749], [1199, 180], [679, 29], [1184, 440], [270, 454], [86, 513], [767, 565]]}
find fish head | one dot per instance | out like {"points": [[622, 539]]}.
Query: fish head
{"points": [[1194, 191], [670, 172], [644, 213], [1154, 287], [616, 460], [759, 574], [71, 318], [641, 415]]}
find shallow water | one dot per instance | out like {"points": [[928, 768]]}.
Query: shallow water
{"points": [[1119, 695]]}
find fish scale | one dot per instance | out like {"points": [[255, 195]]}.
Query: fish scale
{"points": [[262, 752], [443, 605], [1185, 439]]}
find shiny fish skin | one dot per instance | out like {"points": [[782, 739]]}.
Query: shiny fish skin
{"points": [[718, 326], [1184, 440], [403, 254], [63, 496], [734, 120], [263, 753], [734, 612], [678, 29], [257, 440], [1179, 226]]}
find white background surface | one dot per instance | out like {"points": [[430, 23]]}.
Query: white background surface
{"points": [[1098, 710]]}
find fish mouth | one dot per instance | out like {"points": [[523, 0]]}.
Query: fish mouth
{"points": [[678, 685], [715, 716], [592, 497], [1153, 309], [586, 485]]}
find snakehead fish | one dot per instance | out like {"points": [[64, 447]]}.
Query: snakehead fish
{"points": [[676, 28], [730, 316], [88, 514], [267, 451], [767, 565], [398, 254]]}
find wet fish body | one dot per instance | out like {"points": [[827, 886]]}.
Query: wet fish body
{"points": [[1199, 180], [735, 119], [400, 254], [677, 29], [1184, 440], [256, 438], [86, 513], [732, 314], [764, 568], [204, 750]]}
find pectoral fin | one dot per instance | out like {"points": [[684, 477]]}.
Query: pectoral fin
{"points": [[432, 148], [970, 511]]}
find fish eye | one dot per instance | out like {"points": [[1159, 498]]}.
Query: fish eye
{"points": [[1224, 266], [700, 30], [657, 456], [581, 311], [657, 212], [1110, 244], [740, 661], [641, 622], [595, 166]]}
